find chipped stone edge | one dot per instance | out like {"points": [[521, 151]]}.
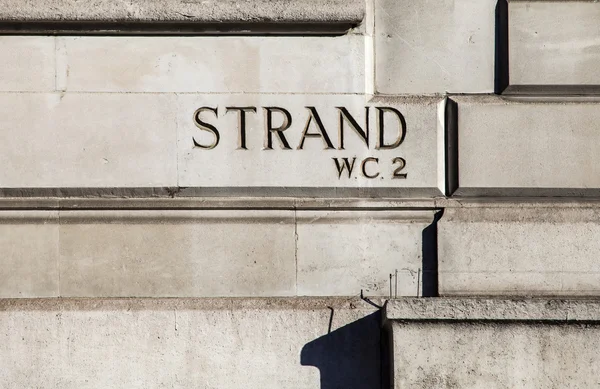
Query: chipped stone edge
{"points": [[190, 304], [488, 309]]}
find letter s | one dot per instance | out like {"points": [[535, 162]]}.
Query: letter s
{"points": [[206, 127]]}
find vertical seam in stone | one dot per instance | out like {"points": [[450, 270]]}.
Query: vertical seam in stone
{"points": [[296, 247], [176, 145], [58, 249], [55, 64], [374, 39]]}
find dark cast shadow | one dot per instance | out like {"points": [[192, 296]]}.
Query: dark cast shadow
{"points": [[349, 357], [429, 284], [501, 77]]}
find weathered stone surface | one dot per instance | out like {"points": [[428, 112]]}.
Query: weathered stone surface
{"points": [[214, 252], [495, 355], [268, 343], [212, 64], [516, 250], [554, 42], [29, 254], [344, 252], [177, 253], [310, 162], [87, 140], [497, 309], [524, 148], [331, 15], [493, 343], [429, 47]]}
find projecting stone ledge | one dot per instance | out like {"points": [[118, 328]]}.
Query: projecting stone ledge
{"points": [[493, 343], [489, 309], [195, 16]]}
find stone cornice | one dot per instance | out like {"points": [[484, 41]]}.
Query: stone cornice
{"points": [[181, 16]]}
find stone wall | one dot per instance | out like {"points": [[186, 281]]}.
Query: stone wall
{"points": [[299, 193]]}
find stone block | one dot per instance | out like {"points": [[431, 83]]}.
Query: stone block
{"points": [[29, 254], [287, 162], [213, 64], [514, 147], [179, 16], [177, 253], [27, 63], [554, 42], [474, 344], [519, 250], [212, 343], [344, 252], [425, 47], [87, 140]]}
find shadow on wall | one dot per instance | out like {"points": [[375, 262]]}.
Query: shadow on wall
{"points": [[349, 357], [502, 79], [429, 283]]}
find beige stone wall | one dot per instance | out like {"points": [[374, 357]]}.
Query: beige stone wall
{"points": [[198, 194]]}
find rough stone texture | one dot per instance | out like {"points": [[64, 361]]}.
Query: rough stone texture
{"points": [[482, 309], [523, 148], [554, 42], [211, 252], [337, 14], [493, 343], [270, 343], [429, 46], [516, 250], [212, 64], [341, 251], [495, 355]]}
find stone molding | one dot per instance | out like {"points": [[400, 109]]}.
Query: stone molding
{"points": [[117, 16], [482, 309]]}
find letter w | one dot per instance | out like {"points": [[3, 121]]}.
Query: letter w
{"points": [[346, 165]]}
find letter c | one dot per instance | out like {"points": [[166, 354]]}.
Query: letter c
{"points": [[364, 165]]}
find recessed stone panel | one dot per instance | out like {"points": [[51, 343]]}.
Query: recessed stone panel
{"points": [[525, 148], [554, 42], [434, 46], [326, 143]]}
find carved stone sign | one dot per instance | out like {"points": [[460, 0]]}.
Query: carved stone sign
{"points": [[309, 141]]}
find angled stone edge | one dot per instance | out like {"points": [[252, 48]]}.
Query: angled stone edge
{"points": [[475, 309], [213, 16]]}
